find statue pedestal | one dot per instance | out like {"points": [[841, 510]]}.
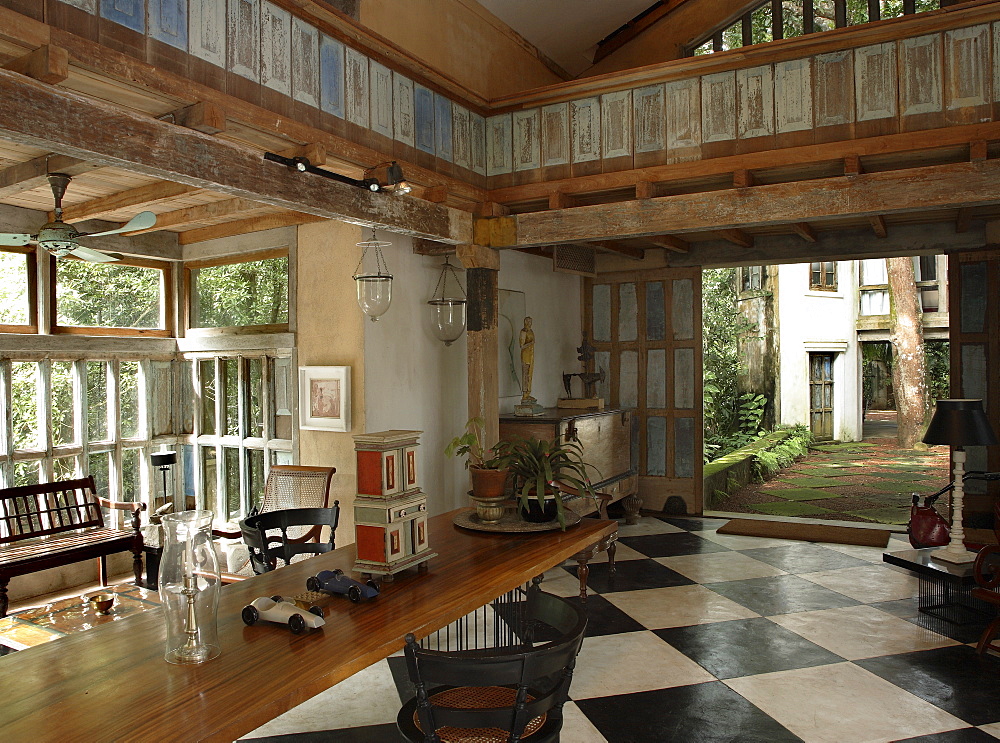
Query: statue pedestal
{"points": [[528, 407]]}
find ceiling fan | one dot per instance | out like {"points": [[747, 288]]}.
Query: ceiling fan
{"points": [[60, 238]]}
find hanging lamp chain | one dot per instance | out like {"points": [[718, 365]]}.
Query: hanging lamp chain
{"points": [[442, 283], [381, 268]]}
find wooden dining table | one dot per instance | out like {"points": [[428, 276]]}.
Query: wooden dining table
{"points": [[112, 683]]}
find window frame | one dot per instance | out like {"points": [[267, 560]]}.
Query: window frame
{"points": [[747, 276], [31, 267], [822, 286]]}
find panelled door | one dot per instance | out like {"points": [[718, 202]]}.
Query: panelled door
{"points": [[821, 395], [646, 327]]}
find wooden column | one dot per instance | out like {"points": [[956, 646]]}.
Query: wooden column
{"points": [[482, 271]]}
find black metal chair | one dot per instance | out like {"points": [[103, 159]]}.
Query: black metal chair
{"points": [[266, 535], [503, 694]]}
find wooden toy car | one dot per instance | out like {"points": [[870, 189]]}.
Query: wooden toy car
{"points": [[276, 609], [335, 581]]}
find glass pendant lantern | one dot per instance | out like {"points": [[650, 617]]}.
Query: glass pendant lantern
{"points": [[374, 289], [447, 312]]}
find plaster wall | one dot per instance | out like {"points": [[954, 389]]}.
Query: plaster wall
{"points": [[812, 322], [463, 40]]}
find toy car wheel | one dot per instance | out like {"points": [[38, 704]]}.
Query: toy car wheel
{"points": [[354, 594], [250, 615], [372, 584], [338, 571], [317, 610], [276, 599], [313, 584], [297, 624]]}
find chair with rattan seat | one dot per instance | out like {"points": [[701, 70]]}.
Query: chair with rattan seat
{"points": [[267, 535], [497, 695]]}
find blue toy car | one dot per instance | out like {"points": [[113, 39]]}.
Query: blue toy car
{"points": [[335, 581]]}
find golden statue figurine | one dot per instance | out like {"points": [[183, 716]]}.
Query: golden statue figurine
{"points": [[529, 405]]}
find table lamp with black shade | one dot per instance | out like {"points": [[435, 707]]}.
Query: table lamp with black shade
{"points": [[958, 423], [164, 460]]}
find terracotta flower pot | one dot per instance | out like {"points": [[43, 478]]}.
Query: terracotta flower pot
{"points": [[487, 484]]}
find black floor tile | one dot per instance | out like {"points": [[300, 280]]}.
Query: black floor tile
{"points": [[700, 713], [781, 594], [805, 558], [907, 609], [633, 575], [604, 618], [366, 734], [694, 524], [956, 679], [965, 735], [746, 647], [669, 545]]}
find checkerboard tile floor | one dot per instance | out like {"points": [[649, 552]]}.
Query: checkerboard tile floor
{"points": [[701, 636]]}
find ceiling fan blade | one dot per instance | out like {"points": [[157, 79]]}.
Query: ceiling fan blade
{"points": [[141, 221], [94, 256], [13, 238]]}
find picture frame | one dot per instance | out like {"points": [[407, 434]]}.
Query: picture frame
{"points": [[325, 398]]}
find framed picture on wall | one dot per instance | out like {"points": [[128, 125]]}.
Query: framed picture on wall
{"points": [[325, 398]]}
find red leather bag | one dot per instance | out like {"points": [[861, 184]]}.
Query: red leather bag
{"points": [[927, 528]]}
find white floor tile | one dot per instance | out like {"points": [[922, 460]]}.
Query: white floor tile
{"points": [[716, 567], [577, 728], [867, 584], [647, 525], [993, 729], [738, 542], [678, 606]]}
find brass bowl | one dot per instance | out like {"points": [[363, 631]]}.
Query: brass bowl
{"points": [[103, 602]]}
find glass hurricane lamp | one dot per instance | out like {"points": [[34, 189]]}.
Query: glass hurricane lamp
{"points": [[447, 312], [374, 289]]}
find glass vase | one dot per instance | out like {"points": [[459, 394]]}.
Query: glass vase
{"points": [[189, 587]]}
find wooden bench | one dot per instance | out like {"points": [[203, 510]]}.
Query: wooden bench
{"points": [[59, 523]]}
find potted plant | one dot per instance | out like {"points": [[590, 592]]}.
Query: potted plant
{"points": [[539, 467], [488, 468]]}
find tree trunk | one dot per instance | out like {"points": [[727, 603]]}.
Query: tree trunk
{"points": [[907, 336]]}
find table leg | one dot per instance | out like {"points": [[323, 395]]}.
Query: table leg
{"points": [[612, 548], [583, 571]]}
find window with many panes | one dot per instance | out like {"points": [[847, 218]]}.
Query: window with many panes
{"points": [[752, 278], [17, 291], [240, 292], [823, 275]]}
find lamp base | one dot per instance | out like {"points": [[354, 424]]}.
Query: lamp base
{"points": [[946, 554]]}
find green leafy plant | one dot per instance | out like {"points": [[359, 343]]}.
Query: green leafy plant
{"points": [[540, 466], [470, 446], [767, 462]]}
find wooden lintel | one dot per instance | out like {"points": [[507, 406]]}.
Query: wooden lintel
{"points": [[201, 213], [962, 220], [30, 175], [613, 246], [133, 198], [546, 252], [560, 200], [203, 116], [496, 232], [670, 242], [737, 237], [490, 209], [432, 247], [877, 222], [478, 256], [435, 194], [645, 189], [39, 115], [246, 226], [47, 64], [978, 150], [852, 165], [803, 230], [742, 178]]}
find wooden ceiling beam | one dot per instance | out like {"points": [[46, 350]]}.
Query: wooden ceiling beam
{"points": [[742, 178], [613, 246], [47, 64], [246, 226], [803, 230], [670, 242], [44, 116], [633, 28], [852, 165], [30, 175], [877, 222], [962, 219], [204, 116], [132, 198], [737, 237], [202, 213], [431, 247]]}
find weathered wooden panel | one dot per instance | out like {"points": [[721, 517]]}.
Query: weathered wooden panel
{"points": [[602, 312], [684, 449], [656, 446], [331, 76], [975, 373], [972, 303], [648, 117], [718, 107], [656, 378], [477, 143], [275, 48], [920, 75], [380, 87], [656, 312], [499, 143], [527, 140], [682, 101], [684, 378], [461, 136], [128, 13], [243, 38], [996, 61], [442, 127], [89, 6], [793, 100], [402, 109], [602, 360], [834, 89], [682, 309], [356, 91], [168, 22], [207, 31], [555, 134], [875, 81], [585, 129], [628, 379], [423, 116], [628, 313], [967, 65], [616, 124], [755, 93], [305, 63]]}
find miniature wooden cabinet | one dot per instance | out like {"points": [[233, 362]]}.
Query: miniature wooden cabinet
{"points": [[390, 512], [610, 442]]}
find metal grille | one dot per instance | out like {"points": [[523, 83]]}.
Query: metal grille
{"points": [[574, 259], [501, 623]]}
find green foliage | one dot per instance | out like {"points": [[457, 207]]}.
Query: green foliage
{"points": [[14, 308], [241, 294], [785, 453], [938, 360], [539, 466], [470, 446], [107, 295]]}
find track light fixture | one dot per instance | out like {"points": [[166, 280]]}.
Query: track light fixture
{"points": [[395, 182]]}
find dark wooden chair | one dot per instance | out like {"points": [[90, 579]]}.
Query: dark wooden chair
{"points": [[502, 694], [987, 573], [267, 534]]}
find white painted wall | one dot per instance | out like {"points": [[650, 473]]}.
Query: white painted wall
{"points": [[814, 321], [414, 382]]}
